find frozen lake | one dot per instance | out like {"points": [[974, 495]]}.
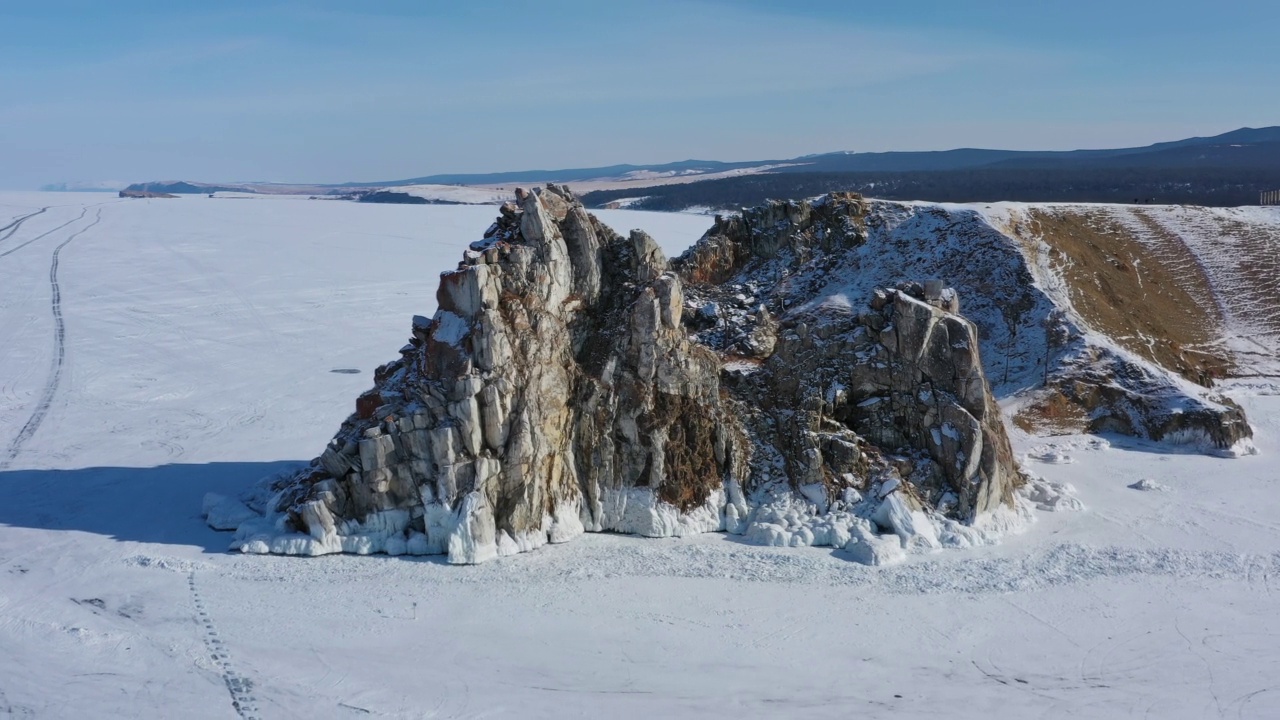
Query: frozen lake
{"points": [[154, 350]]}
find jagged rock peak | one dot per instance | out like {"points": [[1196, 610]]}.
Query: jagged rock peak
{"points": [[833, 221], [554, 391]]}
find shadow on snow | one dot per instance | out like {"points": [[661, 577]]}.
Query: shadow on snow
{"points": [[146, 505]]}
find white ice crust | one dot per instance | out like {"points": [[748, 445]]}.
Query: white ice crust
{"points": [[881, 529]]}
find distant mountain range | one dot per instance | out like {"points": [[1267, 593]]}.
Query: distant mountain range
{"points": [[1250, 155], [1246, 147]]}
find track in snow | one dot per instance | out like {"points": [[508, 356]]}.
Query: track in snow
{"points": [[240, 688], [13, 250], [59, 355], [13, 226]]}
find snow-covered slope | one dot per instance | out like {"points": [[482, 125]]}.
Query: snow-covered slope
{"points": [[199, 340]]}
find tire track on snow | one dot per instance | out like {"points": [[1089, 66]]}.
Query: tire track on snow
{"points": [[13, 226], [13, 250], [59, 354], [43, 235]]}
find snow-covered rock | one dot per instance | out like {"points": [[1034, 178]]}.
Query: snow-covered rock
{"points": [[875, 550]]}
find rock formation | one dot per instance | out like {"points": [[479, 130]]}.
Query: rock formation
{"points": [[786, 378], [843, 401], [817, 261], [554, 391]]}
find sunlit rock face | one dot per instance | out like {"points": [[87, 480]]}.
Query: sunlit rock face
{"points": [[554, 391]]}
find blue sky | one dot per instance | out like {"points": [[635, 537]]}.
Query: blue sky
{"points": [[360, 91]]}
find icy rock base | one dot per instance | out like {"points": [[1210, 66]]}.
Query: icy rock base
{"points": [[381, 532], [881, 529], [875, 550], [1049, 496], [1199, 440], [885, 528], [637, 511], [468, 535]]}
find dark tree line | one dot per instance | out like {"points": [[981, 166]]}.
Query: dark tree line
{"points": [[1221, 187]]}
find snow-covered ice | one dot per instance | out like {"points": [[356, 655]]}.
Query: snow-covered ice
{"points": [[200, 339]]}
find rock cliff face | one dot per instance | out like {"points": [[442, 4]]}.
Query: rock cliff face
{"points": [[574, 380], [554, 391]]}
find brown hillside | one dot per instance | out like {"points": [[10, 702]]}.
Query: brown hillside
{"points": [[1153, 297]]}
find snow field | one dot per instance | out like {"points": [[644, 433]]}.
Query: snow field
{"points": [[201, 336]]}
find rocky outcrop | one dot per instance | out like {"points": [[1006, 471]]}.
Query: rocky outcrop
{"points": [[882, 416], [848, 398], [791, 231], [818, 261], [574, 380], [788, 379], [1109, 393], [554, 391], [923, 388]]}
